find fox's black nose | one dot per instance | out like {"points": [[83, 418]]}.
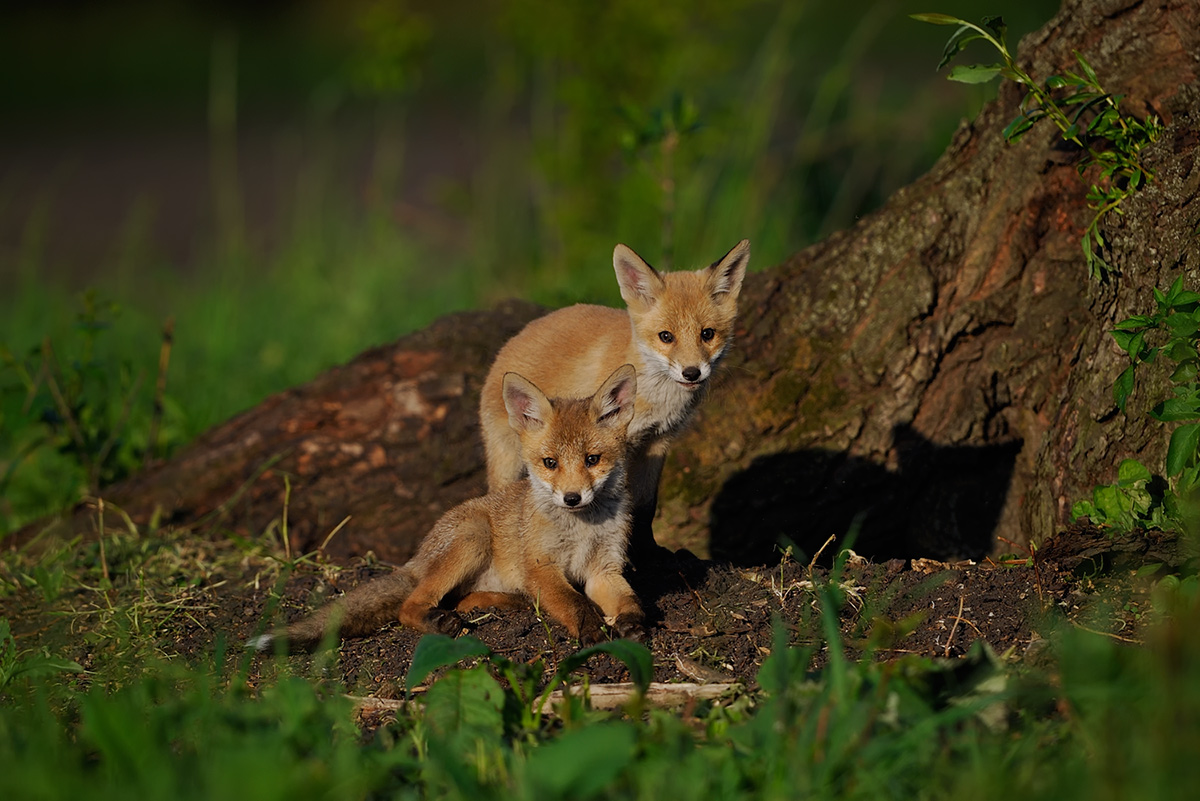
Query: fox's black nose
{"points": [[691, 373], [572, 498]]}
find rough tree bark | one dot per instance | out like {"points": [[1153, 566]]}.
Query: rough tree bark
{"points": [[948, 357], [940, 373]]}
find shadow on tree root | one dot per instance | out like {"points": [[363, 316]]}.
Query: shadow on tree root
{"points": [[942, 503]]}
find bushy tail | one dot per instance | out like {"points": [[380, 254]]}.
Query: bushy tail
{"points": [[362, 611]]}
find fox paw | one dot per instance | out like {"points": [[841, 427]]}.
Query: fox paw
{"points": [[631, 626], [443, 621], [590, 628]]}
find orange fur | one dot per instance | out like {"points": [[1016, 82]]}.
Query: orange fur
{"points": [[675, 331], [564, 527]]}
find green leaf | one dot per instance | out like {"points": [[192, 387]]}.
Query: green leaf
{"points": [[1134, 323], [1140, 500], [1087, 68], [1160, 299], [1136, 344], [1181, 350], [436, 651], [1182, 448], [976, 73], [1175, 410], [1176, 288], [996, 25], [1085, 509], [466, 701], [1185, 372], [1131, 471], [1185, 299], [635, 657], [1122, 338], [1123, 387], [958, 42], [937, 19], [42, 665], [1071, 79], [583, 762], [1188, 479], [1182, 325], [1113, 504], [1097, 266], [1105, 124], [1086, 98], [1014, 130]]}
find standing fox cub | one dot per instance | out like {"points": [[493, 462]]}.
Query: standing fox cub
{"points": [[677, 328], [568, 524]]}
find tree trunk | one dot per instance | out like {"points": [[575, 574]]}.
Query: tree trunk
{"points": [[934, 378], [944, 367]]}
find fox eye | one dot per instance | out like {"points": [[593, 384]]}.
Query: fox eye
{"points": [[550, 463], [592, 459], [707, 334], [666, 336]]}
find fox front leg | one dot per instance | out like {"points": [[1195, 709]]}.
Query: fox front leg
{"points": [[551, 591], [616, 599]]}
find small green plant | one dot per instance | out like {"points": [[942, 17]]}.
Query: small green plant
{"points": [[520, 706], [1172, 332], [75, 419], [1087, 115], [1135, 501], [14, 664]]}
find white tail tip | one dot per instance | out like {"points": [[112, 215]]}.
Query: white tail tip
{"points": [[261, 643]]}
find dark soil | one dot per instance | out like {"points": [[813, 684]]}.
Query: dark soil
{"points": [[711, 621], [708, 621]]}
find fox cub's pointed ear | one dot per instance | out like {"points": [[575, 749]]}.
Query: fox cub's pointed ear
{"points": [[528, 408], [640, 283], [613, 402], [724, 277]]}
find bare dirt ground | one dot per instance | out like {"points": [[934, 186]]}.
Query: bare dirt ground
{"points": [[708, 621]]}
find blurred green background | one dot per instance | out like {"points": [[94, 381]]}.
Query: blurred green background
{"points": [[291, 182]]}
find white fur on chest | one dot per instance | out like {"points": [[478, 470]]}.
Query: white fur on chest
{"points": [[663, 403], [581, 543], [592, 547], [589, 540]]}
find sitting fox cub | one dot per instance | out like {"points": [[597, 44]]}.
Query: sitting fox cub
{"points": [[568, 524], [677, 328]]}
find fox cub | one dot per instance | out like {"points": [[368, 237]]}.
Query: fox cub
{"points": [[567, 525], [677, 328]]}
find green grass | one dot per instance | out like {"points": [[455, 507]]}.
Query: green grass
{"points": [[1094, 719], [256, 326], [1084, 716]]}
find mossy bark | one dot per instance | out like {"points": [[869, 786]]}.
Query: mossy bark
{"points": [[934, 378]]}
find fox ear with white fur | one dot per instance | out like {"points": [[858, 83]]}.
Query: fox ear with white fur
{"points": [[613, 402], [528, 408], [725, 276], [640, 283]]}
